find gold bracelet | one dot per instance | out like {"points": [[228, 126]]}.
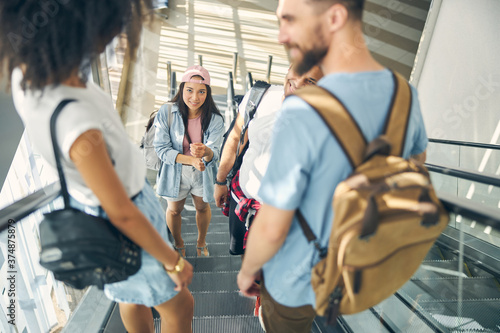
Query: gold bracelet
{"points": [[179, 266]]}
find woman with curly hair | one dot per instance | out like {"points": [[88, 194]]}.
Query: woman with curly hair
{"points": [[44, 47], [188, 146]]}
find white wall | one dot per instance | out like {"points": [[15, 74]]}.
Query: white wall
{"points": [[457, 74]]}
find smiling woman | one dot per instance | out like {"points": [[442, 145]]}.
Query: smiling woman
{"points": [[188, 147]]}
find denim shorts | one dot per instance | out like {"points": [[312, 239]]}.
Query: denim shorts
{"points": [[151, 285], [191, 182]]}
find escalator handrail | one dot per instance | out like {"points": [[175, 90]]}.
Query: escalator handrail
{"points": [[465, 174], [470, 209], [466, 144], [28, 205]]}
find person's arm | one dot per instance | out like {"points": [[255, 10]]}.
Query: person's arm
{"points": [[97, 171], [200, 150], [227, 159], [420, 158], [228, 155], [264, 241], [190, 160], [163, 143]]}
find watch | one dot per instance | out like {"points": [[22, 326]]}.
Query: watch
{"points": [[220, 183], [179, 266]]}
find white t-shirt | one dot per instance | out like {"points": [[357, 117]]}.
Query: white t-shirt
{"points": [[260, 129], [93, 109]]}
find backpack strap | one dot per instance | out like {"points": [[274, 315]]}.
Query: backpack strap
{"points": [[168, 106], [256, 93], [345, 129], [340, 122], [396, 124], [348, 133]]}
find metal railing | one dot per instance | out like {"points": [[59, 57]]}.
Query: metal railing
{"points": [[465, 174], [466, 144], [28, 205]]}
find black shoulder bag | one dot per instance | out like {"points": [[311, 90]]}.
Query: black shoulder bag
{"points": [[81, 249]]}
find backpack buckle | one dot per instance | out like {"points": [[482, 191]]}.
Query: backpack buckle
{"points": [[323, 251]]}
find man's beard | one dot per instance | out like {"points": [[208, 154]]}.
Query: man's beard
{"points": [[310, 59], [313, 56]]}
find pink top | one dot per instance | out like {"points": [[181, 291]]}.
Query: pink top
{"points": [[194, 130]]}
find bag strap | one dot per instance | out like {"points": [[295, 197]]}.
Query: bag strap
{"points": [[169, 113], [396, 123], [345, 129], [57, 151], [256, 93], [347, 132]]}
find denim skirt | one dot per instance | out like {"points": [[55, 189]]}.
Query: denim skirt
{"points": [[151, 285]]}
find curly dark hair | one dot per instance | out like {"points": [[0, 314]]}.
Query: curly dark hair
{"points": [[50, 39], [207, 109]]}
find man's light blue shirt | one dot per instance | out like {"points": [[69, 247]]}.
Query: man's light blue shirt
{"points": [[306, 165]]}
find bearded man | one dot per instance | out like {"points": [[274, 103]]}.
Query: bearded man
{"points": [[307, 161]]}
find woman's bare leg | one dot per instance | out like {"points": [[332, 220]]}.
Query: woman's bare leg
{"points": [[174, 221], [203, 217], [177, 313], [136, 318]]}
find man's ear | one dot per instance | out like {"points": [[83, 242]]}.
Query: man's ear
{"points": [[337, 16]]}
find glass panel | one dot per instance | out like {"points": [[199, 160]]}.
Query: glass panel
{"points": [[41, 304]]}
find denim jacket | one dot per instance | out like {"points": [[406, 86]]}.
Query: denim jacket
{"points": [[168, 143]]}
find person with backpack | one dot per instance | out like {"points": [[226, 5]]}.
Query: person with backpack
{"points": [[240, 200], [238, 179], [188, 136], [307, 161], [103, 168]]}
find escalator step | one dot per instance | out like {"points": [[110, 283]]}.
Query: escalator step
{"points": [[209, 304], [216, 264], [215, 249], [444, 268], [239, 324], [447, 289], [191, 220], [214, 281], [434, 254], [476, 316], [213, 227], [212, 237]]}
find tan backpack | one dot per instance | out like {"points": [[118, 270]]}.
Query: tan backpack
{"points": [[386, 213]]}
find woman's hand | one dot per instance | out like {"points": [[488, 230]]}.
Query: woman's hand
{"points": [[200, 150], [183, 278], [198, 164]]}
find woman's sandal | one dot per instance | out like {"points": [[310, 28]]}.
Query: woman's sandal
{"points": [[181, 251], [202, 251]]}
